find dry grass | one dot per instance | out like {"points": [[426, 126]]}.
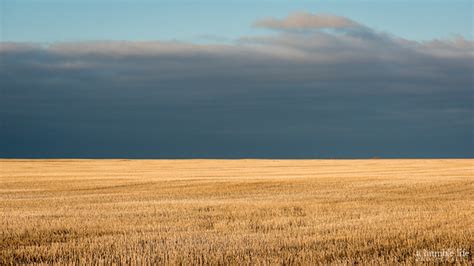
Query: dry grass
{"points": [[234, 211]]}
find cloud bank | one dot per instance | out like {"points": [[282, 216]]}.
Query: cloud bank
{"points": [[297, 94]]}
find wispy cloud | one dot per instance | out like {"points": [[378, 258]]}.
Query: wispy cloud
{"points": [[305, 20]]}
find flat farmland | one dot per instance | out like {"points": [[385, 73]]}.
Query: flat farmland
{"points": [[236, 211]]}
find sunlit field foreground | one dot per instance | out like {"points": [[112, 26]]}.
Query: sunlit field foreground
{"points": [[236, 211]]}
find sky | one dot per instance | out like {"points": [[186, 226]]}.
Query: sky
{"points": [[236, 79], [199, 21]]}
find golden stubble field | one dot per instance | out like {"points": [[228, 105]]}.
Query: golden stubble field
{"points": [[236, 211]]}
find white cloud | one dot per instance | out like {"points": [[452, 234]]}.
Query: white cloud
{"points": [[305, 20]]}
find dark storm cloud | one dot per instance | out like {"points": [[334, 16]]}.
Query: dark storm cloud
{"points": [[350, 92]]}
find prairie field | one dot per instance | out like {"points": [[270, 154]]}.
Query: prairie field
{"points": [[233, 212]]}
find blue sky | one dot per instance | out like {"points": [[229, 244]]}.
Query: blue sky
{"points": [[221, 21]]}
